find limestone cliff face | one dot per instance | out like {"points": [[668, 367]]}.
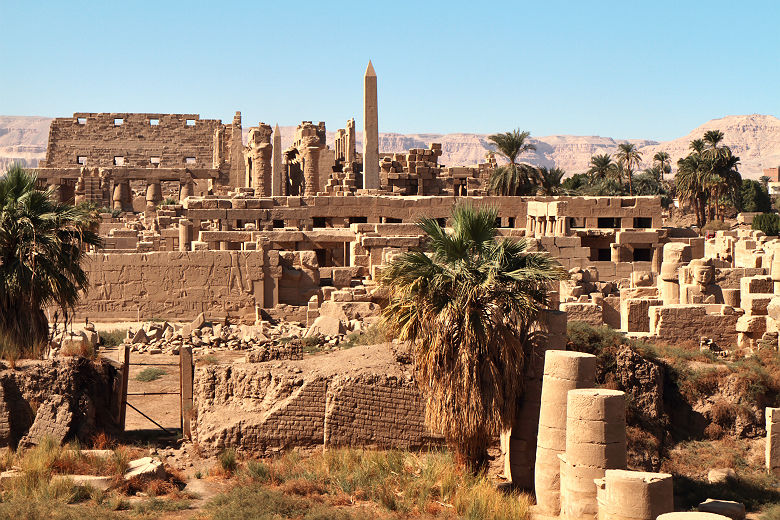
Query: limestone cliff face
{"points": [[754, 138]]}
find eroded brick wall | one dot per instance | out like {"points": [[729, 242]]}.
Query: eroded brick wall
{"points": [[255, 408]]}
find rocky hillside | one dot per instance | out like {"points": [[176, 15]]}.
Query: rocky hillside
{"points": [[755, 138]]}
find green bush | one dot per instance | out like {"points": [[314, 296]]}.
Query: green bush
{"points": [[150, 374], [754, 197], [769, 223], [716, 225], [113, 338]]}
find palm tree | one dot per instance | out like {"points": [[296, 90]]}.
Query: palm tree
{"points": [[691, 184], [602, 167], [549, 181], [513, 178], [663, 162], [697, 146], [42, 245], [628, 157], [469, 306]]}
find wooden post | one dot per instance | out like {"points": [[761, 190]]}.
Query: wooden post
{"points": [[187, 373], [124, 358]]}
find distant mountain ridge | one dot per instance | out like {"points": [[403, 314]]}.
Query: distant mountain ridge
{"points": [[754, 138]]}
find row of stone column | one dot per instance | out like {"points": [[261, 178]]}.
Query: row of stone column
{"points": [[581, 449], [123, 197]]}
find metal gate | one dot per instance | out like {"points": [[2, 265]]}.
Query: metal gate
{"points": [[186, 374]]}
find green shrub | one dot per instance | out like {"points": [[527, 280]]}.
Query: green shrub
{"points": [[716, 225], [769, 223], [113, 338], [150, 374], [227, 460]]}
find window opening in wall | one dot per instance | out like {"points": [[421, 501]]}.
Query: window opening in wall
{"points": [[154, 122], [643, 254], [576, 222], [358, 220], [608, 222], [119, 160], [392, 220], [442, 222], [278, 224], [81, 159], [643, 222], [319, 222], [190, 122], [498, 221], [510, 222], [155, 161], [118, 121], [189, 160], [604, 254], [81, 120]]}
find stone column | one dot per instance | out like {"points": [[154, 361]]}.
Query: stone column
{"points": [[675, 256], [595, 442], [187, 190], [634, 494], [370, 131], [311, 170], [773, 440], [185, 234], [519, 443], [658, 256], [349, 156], [122, 196], [563, 371], [276, 165], [153, 194]]}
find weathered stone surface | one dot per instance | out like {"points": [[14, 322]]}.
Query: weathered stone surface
{"points": [[733, 510], [53, 420], [146, 467], [325, 326]]}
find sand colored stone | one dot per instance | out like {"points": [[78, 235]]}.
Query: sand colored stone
{"points": [[634, 495], [563, 371]]}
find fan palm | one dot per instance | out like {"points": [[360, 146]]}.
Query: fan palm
{"points": [[42, 245], [549, 181], [628, 157], [602, 167], [663, 162], [513, 178], [468, 306]]}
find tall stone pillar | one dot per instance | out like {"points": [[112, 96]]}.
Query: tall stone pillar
{"points": [[311, 170], [258, 160], [349, 153], [563, 371], [595, 442], [772, 452], [276, 165], [370, 131], [519, 443]]}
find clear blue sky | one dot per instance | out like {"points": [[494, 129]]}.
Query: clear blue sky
{"points": [[629, 69]]}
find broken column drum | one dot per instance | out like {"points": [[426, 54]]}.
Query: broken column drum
{"points": [[634, 495], [595, 442], [563, 371]]}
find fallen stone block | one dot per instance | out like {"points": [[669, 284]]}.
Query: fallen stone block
{"points": [[733, 510], [95, 481], [325, 326], [145, 467], [719, 475]]}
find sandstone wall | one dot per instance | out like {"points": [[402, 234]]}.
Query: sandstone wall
{"points": [[99, 139], [173, 285]]}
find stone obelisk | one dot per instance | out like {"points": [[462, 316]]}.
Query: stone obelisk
{"points": [[370, 131], [276, 164]]}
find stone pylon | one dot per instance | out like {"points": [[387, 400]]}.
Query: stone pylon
{"points": [[276, 165], [370, 131]]}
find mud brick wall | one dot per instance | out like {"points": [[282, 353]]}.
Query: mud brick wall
{"points": [[99, 139], [374, 411], [87, 386], [249, 407], [173, 285], [259, 409]]}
